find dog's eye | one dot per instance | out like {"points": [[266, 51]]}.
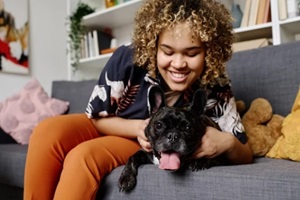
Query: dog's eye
{"points": [[187, 127], [158, 125]]}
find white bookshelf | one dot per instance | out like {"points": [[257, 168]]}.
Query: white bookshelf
{"points": [[280, 31], [120, 19]]}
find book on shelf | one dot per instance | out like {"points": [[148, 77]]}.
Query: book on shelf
{"points": [[109, 50], [82, 48], [260, 12], [94, 41], [256, 12], [104, 38], [92, 52], [86, 46], [253, 12], [263, 11], [282, 9], [246, 13], [251, 44], [267, 14]]}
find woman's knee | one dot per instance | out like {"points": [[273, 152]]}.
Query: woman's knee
{"points": [[104, 153], [58, 128], [62, 133]]}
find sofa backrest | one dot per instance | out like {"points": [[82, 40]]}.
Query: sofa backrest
{"points": [[76, 92], [271, 72]]}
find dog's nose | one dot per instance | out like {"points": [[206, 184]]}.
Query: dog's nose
{"points": [[172, 136]]}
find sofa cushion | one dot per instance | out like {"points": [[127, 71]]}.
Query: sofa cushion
{"points": [[269, 72], [12, 164], [265, 179], [21, 112], [75, 92]]}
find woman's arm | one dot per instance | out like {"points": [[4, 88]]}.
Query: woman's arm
{"points": [[215, 142], [129, 128]]}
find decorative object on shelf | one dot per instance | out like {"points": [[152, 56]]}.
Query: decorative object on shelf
{"points": [[293, 8], [237, 15], [14, 32], [110, 3], [77, 31]]}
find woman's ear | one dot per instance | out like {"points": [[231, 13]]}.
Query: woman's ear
{"points": [[156, 99]]}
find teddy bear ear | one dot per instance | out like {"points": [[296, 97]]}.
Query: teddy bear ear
{"points": [[156, 99], [199, 102]]}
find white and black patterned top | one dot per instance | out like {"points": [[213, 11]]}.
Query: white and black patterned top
{"points": [[123, 87]]}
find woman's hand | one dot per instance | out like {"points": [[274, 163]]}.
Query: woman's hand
{"points": [[141, 138], [214, 143]]}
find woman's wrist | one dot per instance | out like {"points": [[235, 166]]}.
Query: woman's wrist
{"points": [[236, 151], [229, 142]]}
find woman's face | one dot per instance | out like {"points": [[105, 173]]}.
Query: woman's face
{"points": [[180, 60]]}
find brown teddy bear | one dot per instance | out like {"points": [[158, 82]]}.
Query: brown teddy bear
{"points": [[262, 127]]}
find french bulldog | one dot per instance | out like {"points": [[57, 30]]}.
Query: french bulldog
{"points": [[174, 134]]}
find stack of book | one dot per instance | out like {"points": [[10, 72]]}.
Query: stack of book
{"points": [[251, 44], [256, 12], [96, 42], [288, 8]]}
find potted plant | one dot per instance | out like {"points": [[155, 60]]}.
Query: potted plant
{"points": [[77, 31]]}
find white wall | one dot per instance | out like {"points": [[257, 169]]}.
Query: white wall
{"points": [[47, 58]]}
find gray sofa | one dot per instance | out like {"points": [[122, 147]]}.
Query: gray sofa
{"points": [[271, 72]]}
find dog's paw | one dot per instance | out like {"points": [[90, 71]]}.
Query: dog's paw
{"points": [[126, 183], [200, 164]]}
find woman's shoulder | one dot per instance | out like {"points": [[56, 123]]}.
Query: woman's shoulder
{"points": [[120, 62]]}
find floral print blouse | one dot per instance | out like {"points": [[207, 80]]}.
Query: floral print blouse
{"points": [[122, 91]]}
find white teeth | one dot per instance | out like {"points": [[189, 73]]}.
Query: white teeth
{"points": [[178, 75]]}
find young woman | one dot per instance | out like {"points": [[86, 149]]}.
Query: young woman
{"points": [[180, 45]]}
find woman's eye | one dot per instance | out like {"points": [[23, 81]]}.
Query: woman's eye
{"points": [[168, 53], [192, 54]]}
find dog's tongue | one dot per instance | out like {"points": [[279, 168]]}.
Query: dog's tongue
{"points": [[169, 161]]}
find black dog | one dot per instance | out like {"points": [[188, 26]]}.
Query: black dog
{"points": [[174, 134]]}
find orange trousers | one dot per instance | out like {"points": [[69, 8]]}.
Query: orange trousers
{"points": [[67, 158]]}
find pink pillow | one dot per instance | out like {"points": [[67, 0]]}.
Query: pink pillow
{"points": [[21, 112]]}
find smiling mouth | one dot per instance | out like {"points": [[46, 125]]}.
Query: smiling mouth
{"points": [[178, 76]]}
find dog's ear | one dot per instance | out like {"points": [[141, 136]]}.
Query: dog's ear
{"points": [[156, 99], [199, 102]]}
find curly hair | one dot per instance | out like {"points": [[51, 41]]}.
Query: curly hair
{"points": [[209, 20]]}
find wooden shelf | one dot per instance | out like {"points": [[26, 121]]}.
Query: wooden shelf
{"points": [[254, 32], [113, 17], [94, 62], [291, 25]]}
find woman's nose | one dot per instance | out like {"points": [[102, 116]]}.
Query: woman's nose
{"points": [[178, 62]]}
